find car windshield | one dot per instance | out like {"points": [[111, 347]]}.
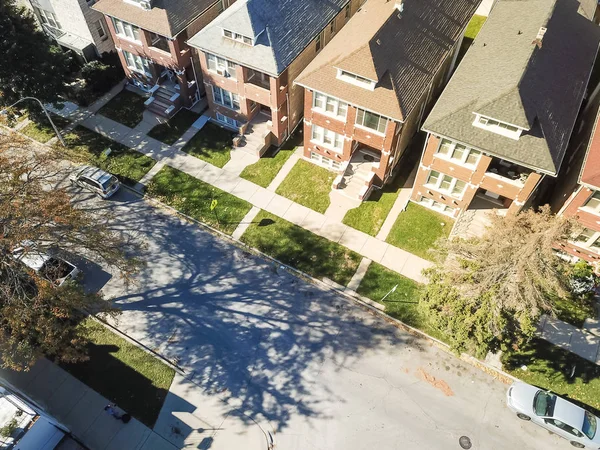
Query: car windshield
{"points": [[589, 425], [543, 403], [108, 184]]}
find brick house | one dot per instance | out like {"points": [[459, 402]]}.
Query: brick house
{"points": [[74, 25], [150, 37], [251, 55], [368, 90], [505, 119]]}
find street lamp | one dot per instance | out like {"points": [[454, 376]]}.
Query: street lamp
{"points": [[5, 111]]}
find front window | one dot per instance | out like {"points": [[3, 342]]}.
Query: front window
{"points": [[238, 37], [226, 98], [356, 79], [589, 425], [446, 183], [330, 105], [221, 66], [370, 120], [543, 403], [136, 62], [458, 153], [327, 138], [127, 30], [593, 202], [227, 120], [48, 18]]}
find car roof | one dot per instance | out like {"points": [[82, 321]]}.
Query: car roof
{"points": [[34, 259], [568, 412], [95, 174]]}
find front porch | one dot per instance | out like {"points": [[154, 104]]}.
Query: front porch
{"points": [[359, 174], [473, 221]]}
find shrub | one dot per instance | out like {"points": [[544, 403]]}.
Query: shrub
{"points": [[8, 429]]}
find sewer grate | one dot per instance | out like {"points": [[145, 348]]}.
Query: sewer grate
{"points": [[465, 442]]}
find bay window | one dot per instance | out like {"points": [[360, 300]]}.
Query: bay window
{"points": [[327, 138], [226, 98], [446, 183], [126, 30], [370, 120], [330, 105]]}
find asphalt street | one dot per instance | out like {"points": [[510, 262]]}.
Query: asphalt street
{"points": [[322, 372]]}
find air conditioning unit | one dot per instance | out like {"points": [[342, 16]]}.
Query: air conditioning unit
{"points": [[146, 4]]}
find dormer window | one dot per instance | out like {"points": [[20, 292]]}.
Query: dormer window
{"points": [[498, 127], [356, 79], [238, 37]]}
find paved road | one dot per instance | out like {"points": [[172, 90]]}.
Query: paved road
{"points": [[323, 372]]}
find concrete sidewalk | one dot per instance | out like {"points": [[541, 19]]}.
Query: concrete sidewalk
{"points": [[81, 409], [570, 338]]}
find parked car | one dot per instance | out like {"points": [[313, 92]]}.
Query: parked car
{"points": [[96, 180], [554, 413], [52, 268]]}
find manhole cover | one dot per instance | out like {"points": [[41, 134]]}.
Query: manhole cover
{"points": [[465, 442]]}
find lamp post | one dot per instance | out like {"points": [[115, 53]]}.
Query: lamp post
{"points": [[4, 111]]}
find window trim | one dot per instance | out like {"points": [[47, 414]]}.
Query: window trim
{"points": [[233, 98], [317, 158], [364, 127], [482, 122], [224, 121], [588, 243], [321, 141], [462, 161], [453, 182], [100, 27], [238, 37], [430, 203], [336, 113], [356, 80], [144, 62], [590, 209], [47, 16], [223, 66], [124, 35]]}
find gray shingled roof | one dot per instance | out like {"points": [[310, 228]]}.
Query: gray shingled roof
{"points": [[402, 52], [507, 77], [289, 26], [166, 17]]}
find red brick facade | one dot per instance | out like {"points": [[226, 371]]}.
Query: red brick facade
{"points": [[574, 207]]}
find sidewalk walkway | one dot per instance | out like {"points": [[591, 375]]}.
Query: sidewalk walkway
{"points": [[376, 249], [570, 338], [81, 409]]}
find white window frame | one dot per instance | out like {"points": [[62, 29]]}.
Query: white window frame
{"points": [[327, 138], [356, 80], [437, 186], [436, 206], [220, 96], [48, 18], [101, 30], [591, 209], [237, 37], [588, 243], [324, 161], [126, 30], [137, 63], [340, 108], [452, 149], [227, 120], [498, 126], [221, 66], [361, 124]]}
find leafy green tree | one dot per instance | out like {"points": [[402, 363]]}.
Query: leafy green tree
{"points": [[30, 65], [489, 292]]}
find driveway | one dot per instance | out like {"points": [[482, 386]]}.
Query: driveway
{"points": [[265, 350]]}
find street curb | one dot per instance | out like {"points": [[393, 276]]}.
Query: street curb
{"points": [[348, 295]]}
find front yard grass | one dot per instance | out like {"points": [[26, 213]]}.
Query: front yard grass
{"points": [[87, 147], [43, 131], [308, 185], [574, 310], [549, 367], [301, 249], [126, 107], [266, 168], [417, 229], [125, 374], [169, 132], [193, 197], [403, 304], [211, 144]]}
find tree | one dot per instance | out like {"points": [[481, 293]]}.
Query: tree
{"points": [[29, 64], [489, 292], [35, 314]]}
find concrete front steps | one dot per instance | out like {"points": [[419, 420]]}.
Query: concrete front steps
{"points": [[165, 101], [354, 180]]}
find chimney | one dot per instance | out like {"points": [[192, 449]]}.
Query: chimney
{"points": [[540, 37]]}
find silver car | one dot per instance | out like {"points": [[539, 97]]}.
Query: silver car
{"points": [[96, 180], [554, 413], [54, 269]]}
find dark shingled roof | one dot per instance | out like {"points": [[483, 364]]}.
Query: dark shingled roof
{"points": [[166, 17], [506, 76], [401, 51], [284, 28]]}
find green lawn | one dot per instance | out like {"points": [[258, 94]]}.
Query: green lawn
{"points": [[211, 144], [309, 185], [193, 197], [402, 304], [573, 310], [43, 131], [126, 108], [267, 167], [417, 228], [135, 380], [87, 147], [301, 249], [172, 130], [549, 367]]}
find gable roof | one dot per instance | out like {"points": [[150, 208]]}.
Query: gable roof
{"points": [[507, 77], [401, 51], [166, 17], [283, 29]]}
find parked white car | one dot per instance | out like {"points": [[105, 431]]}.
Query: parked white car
{"points": [[554, 413], [54, 269], [96, 180]]}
